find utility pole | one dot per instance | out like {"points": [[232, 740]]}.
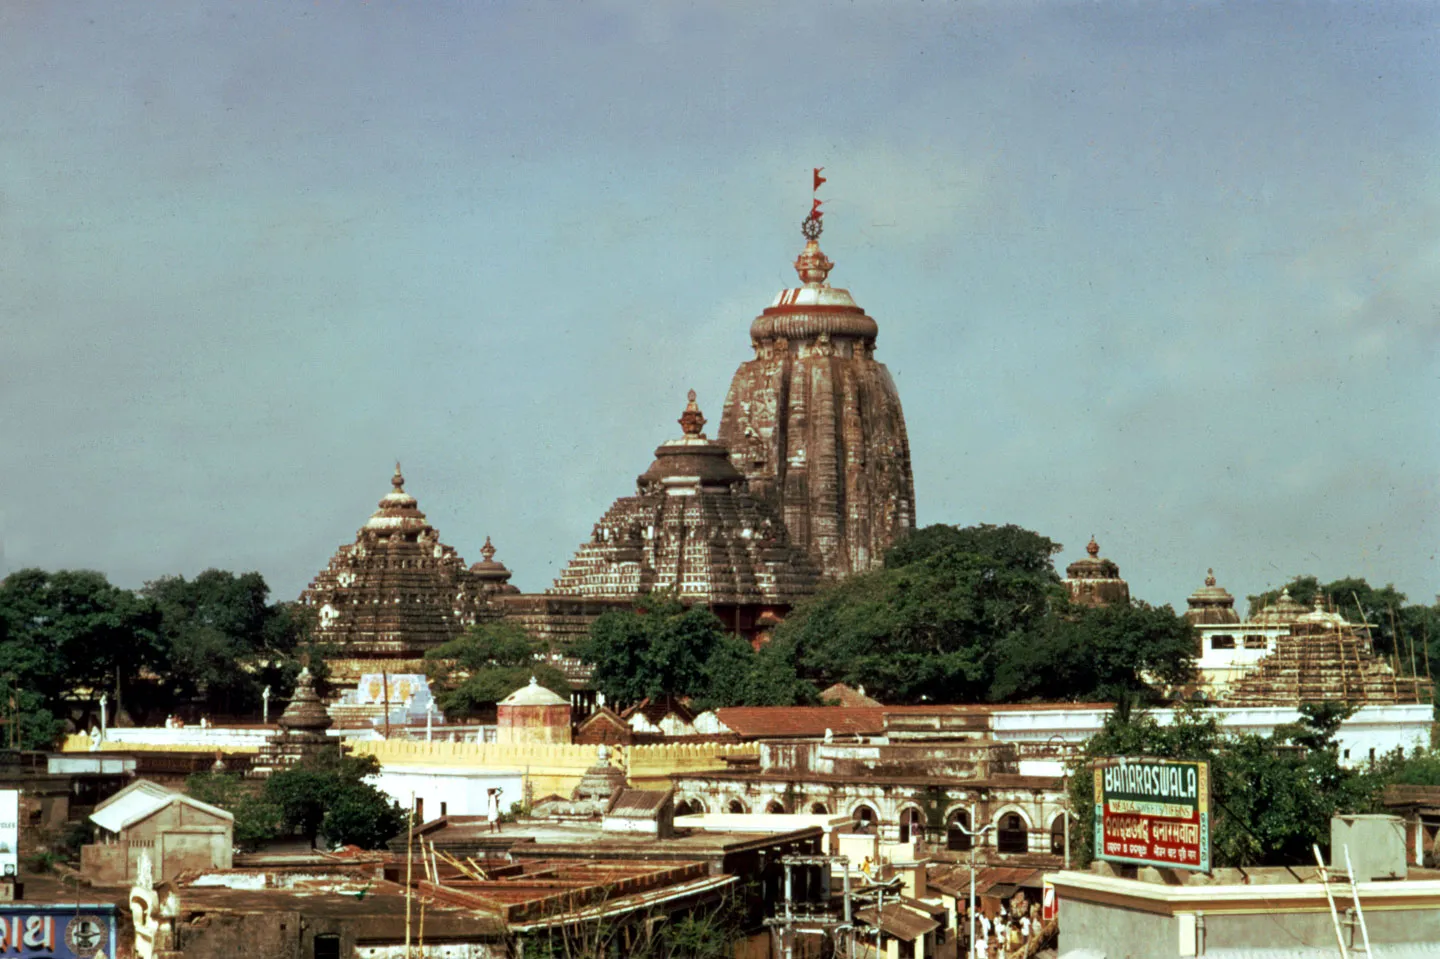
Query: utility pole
{"points": [[975, 834]]}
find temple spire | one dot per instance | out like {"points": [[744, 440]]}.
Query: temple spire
{"points": [[692, 421]]}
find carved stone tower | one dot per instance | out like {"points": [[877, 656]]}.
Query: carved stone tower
{"points": [[814, 423]]}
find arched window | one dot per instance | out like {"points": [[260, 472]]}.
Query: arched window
{"points": [[956, 838], [818, 809], [736, 806], [1012, 835], [911, 824], [775, 807], [1057, 835], [864, 818], [690, 807]]}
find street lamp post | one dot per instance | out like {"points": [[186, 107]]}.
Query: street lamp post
{"points": [[974, 834], [265, 705]]}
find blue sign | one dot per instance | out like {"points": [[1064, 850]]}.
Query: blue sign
{"points": [[57, 930]]}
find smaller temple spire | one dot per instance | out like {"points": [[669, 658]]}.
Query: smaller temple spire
{"points": [[692, 421], [1210, 577], [398, 480], [1093, 548], [488, 551]]}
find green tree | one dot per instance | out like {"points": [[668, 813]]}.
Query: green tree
{"points": [[930, 630], [67, 636], [1272, 796], [256, 820], [664, 647], [1010, 545], [305, 797], [488, 662], [226, 642], [1096, 653]]}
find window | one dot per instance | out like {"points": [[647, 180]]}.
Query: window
{"points": [[419, 809], [1057, 836], [818, 809], [737, 807], [1222, 641], [1255, 642], [774, 807], [910, 824], [864, 819], [956, 838], [327, 947], [444, 809], [1012, 835]]}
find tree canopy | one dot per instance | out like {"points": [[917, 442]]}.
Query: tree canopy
{"points": [[1273, 796], [328, 796], [664, 647], [488, 662], [979, 614], [217, 622]]}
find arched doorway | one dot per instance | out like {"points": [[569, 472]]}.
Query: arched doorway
{"points": [[912, 824], [1057, 835], [689, 807], [957, 837], [775, 807], [818, 809], [1012, 835], [736, 806], [865, 819]]}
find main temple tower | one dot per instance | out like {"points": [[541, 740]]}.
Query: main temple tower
{"points": [[814, 422]]}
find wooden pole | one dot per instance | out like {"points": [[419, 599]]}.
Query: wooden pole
{"points": [[409, 866]]}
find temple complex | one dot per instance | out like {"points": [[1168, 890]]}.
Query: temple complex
{"points": [[693, 527], [398, 591], [1093, 581], [814, 423]]}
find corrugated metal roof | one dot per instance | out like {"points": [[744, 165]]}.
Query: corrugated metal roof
{"points": [[639, 803], [141, 799], [900, 921]]}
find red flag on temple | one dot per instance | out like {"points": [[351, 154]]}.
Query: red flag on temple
{"points": [[815, 211], [818, 178]]}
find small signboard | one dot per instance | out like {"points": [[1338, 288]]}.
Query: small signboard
{"points": [[9, 834], [1049, 906], [1153, 812], [57, 930]]}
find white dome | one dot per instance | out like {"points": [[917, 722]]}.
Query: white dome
{"points": [[534, 695]]}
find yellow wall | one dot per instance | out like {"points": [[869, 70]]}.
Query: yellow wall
{"points": [[80, 743], [554, 768]]}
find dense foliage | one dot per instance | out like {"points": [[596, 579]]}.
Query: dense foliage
{"points": [[1272, 796], [207, 646], [329, 797], [473, 672], [979, 614], [664, 647]]}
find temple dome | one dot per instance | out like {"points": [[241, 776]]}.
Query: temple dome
{"points": [[490, 573], [693, 527], [533, 694], [1211, 605], [1282, 612], [1094, 581]]}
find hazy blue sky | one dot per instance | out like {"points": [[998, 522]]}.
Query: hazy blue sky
{"points": [[1166, 273]]}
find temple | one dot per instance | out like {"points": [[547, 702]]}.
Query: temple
{"points": [[398, 591], [693, 528], [814, 423], [1286, 655], [1094, 581]]}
